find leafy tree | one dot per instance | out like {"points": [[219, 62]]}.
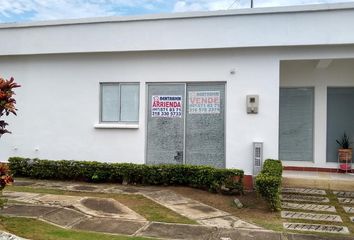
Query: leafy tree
{"points": [[7, 102]]}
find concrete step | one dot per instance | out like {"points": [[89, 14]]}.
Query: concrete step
{"points": [[319, 180]]}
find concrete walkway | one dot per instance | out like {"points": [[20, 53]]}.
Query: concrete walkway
{"points": [[201, 213], [320, 180], [71, 219], [109, 216]]}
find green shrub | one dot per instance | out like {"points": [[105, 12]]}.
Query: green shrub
{"points": [[268, 183], [272, 167], [204, 177]]}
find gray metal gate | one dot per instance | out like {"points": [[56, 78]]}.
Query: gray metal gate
{"points": [[165, 133], [205, 138], [185, 124]]}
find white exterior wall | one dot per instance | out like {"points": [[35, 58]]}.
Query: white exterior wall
{"points": [[59, 102], [60, 65], [340, 73], [59, 99]]}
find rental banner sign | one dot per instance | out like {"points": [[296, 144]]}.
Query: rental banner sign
{"points": [[166, 106], [204, 102]]}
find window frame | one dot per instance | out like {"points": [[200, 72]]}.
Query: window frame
{"points": [[101, 84]]}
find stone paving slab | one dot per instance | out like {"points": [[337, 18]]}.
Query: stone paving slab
{"points": [[298, 236], [27, 210], [349, 209], [21, 196], [60, 200], [179, 231], [310, 191], [227, 222], [343, 194], [169, 198], [64, 217], [196, 211], [185, 206], [246, 234], [46, 199], [304, 198], [107, 207], [316, 228], [346, 200], [108, 225], [308, 207], [232, 234], [113, 190], [311, 216], [242, 234]]}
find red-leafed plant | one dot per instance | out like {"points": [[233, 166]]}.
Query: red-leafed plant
{"points": [[5, 177], [7, 102], [7, 107]]}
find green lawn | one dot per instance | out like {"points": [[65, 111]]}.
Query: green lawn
{"points": [[38, 230]]}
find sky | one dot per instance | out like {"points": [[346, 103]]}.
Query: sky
{"points": [[38, 10]]}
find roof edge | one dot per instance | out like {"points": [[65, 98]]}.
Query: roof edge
{"points": [[185, 15]]}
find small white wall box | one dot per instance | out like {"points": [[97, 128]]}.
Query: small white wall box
{"points": [[252, 102]]}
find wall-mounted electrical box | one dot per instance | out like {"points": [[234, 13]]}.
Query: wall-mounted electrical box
{"points": [[257, 157], [252, 102]]}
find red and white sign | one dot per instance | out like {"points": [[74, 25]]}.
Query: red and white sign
{"points": [[166, 106], [204, 102]]}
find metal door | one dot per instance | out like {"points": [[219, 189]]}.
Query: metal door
{"points": [[184, 129], [165, 124], [205, 124]]}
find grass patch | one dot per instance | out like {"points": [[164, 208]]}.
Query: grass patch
{"points": [[147, 208], [38, 230], [151, 210], [36, 190]]}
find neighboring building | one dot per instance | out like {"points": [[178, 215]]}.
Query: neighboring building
{"points": [[173, 88]]}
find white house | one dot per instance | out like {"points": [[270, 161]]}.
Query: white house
{"points": [[174, 88]]}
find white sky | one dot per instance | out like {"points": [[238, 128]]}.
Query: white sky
{"points": [[31, 10]]}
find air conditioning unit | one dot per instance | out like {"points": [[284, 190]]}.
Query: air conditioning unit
{"points": [[257, 157]]}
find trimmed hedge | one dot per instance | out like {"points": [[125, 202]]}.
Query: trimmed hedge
{"points": [[203, 177], [268, 183]]}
